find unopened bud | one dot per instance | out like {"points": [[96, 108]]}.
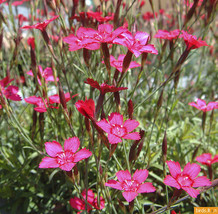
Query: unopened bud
{"points": [[130, 109], [164, 146], [126, 61], [62, 96], [52, 4]]}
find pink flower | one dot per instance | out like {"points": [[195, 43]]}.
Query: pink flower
{"points": [[2, 1], [64, 159], [131, 186], [164, 34], [79, 204], [104, 88], [118, 64], [47, 74], [187, 179], [86, 108], [191, 41], [207, 159], [136, 43], [203, 106], [148, 16], [118, 129], [40, 26]]}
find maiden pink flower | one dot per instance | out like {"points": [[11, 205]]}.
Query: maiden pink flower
{"points": [[187, 179], [164, 34], [131, 185], [118, 129], [79, 204], [40, 26], [64, 159], [118, 64], [137, 43], [207, 159], [86, 108], [203, 106]]}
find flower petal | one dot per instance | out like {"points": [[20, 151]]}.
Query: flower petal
{"points": [[146, 187], [82, 154], [170, 181], [123, 175], [174, 168], [130, 125], [104, 125], [201, 103], [192, 170], [140, 175], [48, 162], [77, 203], [71, 144], [201, 181], [53, 148], [115, 119], [67, 166], [114, 139], [114, 184], [129, 196], [192, 192], [132, 136]]}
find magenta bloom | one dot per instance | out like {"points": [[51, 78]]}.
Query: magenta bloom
{"points": [[164, 34], [118, 64], [40, 26], [137, 44], [131, 186], [86, 108], [207, 159], [203, 106], [118, 129], [104, 88], [191, 41], [79, 204], [47, 74], [187, 179], [64, 159], [11, 91]]}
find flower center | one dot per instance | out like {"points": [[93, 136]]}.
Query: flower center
{"points": [[184, 181], [118, 130], [65, 157], [130, 185]]}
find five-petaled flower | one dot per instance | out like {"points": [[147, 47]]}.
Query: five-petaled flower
{"points": [[207, 159], [203, 106], [118, 129], [187, 179], [86, 108], [64, 159], [131, 185], [79, 204]]}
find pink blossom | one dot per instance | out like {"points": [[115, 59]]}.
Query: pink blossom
{"points": [[86, 108], [203, 106], [104, 88], [118, 129], [137, 43], [118, 64], [164, 34], [148, 16], [64, 159], [191, 41], [2, 1], [40, 26], [79, 204], [207, 159], [47, 74], [131, 185], [187, 179]]}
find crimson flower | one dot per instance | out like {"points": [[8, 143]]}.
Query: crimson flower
{"points": [[2, 1], [79, 204], [40, 26], [203, 106], [118, 64], [136, 43], [118, 129], [11, 91], [207, 159], [131, 185], [148, 16], [164, 34], [187, 179], [86, 108], [191, 41], [31, 43], [104, 88], [47, 74], [64, 159]]}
